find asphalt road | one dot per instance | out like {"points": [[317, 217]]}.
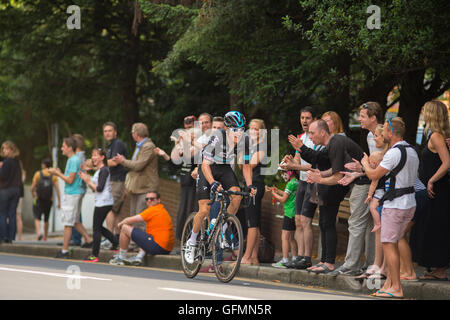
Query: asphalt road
{"points": [[35, 278]]}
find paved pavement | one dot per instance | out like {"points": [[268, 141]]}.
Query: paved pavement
{"points": [[421, 290]]}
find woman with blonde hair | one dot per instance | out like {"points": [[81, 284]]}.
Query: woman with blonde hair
{"points": [[257, 132], [10, 190], [334, 122], [430, 237]]}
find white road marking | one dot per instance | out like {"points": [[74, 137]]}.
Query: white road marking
{"points": [[61, 275], [218, 295]]}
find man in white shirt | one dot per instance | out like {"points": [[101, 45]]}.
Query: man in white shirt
{"points": [[398, 210], [205, 120]]}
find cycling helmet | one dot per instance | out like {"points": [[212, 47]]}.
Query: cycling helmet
{"points": [[234, 119]]}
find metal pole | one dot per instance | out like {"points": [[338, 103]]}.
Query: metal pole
{"points": [[55, 165]]}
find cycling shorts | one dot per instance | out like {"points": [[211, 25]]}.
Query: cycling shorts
{"points": [[222, 173]]}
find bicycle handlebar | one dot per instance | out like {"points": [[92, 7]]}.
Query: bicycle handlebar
{"points": [[230, 192]]}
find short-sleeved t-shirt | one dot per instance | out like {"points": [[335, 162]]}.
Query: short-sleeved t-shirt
{"points": [[289, 205], [118, 173], [73, 166], [159, 224], [405, 178], [342, 150]]}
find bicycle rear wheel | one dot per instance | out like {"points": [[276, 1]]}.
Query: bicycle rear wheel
{"points": [[189, 269], [228, 248]]}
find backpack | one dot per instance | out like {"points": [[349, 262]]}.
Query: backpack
{"points": [[266, 250], [44, 189], [392, 192]]}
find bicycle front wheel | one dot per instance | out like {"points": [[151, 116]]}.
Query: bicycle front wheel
{"points": [[228, 248], [189, 269]]}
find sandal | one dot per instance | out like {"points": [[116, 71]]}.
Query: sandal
{"points": [[384, 294], [314, 266], [325, 269], [429, 276]]}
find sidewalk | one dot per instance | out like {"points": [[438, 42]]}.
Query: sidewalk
{"points": [[420, 290]]}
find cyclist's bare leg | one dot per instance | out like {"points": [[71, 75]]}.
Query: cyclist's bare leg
{"points": [[235, 201], [203, 211]]}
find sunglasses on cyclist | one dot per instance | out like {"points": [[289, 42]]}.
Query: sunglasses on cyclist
{"points": [[237, 129], [150, 198]]}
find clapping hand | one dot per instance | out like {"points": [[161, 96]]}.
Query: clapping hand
{"points": [[348, 177], [119, 158], [354, 166], [313, 176], [84, 176], [54, 170], [295, 142]]}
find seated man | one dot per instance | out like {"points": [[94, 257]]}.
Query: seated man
{"points": [[158, 237]]}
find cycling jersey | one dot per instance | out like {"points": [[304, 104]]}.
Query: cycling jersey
{"points": [[218, 151]]}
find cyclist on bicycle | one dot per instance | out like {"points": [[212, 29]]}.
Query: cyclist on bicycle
{"points": [[215, 172]]}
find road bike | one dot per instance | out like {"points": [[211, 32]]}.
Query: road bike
{"points": [[222, 240]]}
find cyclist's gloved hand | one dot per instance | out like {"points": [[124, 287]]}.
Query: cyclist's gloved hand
{"points": [[215, 185], [252, 189]]}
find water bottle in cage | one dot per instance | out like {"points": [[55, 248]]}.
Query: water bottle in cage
{"points": [[211, 226]]}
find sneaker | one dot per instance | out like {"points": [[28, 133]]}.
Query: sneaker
{"points": [[303, 264], [344, 272], [87, 244], [189, 252], [62, 255], [117, 261], [91, 259], [106, 244], [133, 261], [292, 263], [280, 264]]}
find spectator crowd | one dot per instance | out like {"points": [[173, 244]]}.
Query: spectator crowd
{"points": [[395, 190]]}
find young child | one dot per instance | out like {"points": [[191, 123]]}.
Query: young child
{"points": [[376, 191], [287, 233]]}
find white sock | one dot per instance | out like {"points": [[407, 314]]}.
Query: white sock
{"points": [[224, 227], [141, 254], [193, 239], [294, 258], [122, 254], [64, 251], [285, 260]]}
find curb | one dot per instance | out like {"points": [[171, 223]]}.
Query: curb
{"points": [[412, 290]]}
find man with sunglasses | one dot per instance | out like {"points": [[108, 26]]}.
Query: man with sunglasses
{"points": [[216, 172], [158, 237]]}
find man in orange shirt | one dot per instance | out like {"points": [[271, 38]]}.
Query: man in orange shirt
{"points": [[158, 237]]}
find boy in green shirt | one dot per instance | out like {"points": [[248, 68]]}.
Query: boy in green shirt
{"points": [[288, 230]]}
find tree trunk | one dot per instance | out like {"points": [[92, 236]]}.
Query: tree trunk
{"points": [[412, 98], [128, 80], [341, 99]]}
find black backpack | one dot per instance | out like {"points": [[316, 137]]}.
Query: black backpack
{"points": [[45, 187], [394, 192]]}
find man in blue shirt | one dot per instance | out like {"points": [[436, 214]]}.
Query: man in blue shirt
{"points": [[72, 197]]}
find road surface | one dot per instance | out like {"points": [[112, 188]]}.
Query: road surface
{"points": [[26, 277]]}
